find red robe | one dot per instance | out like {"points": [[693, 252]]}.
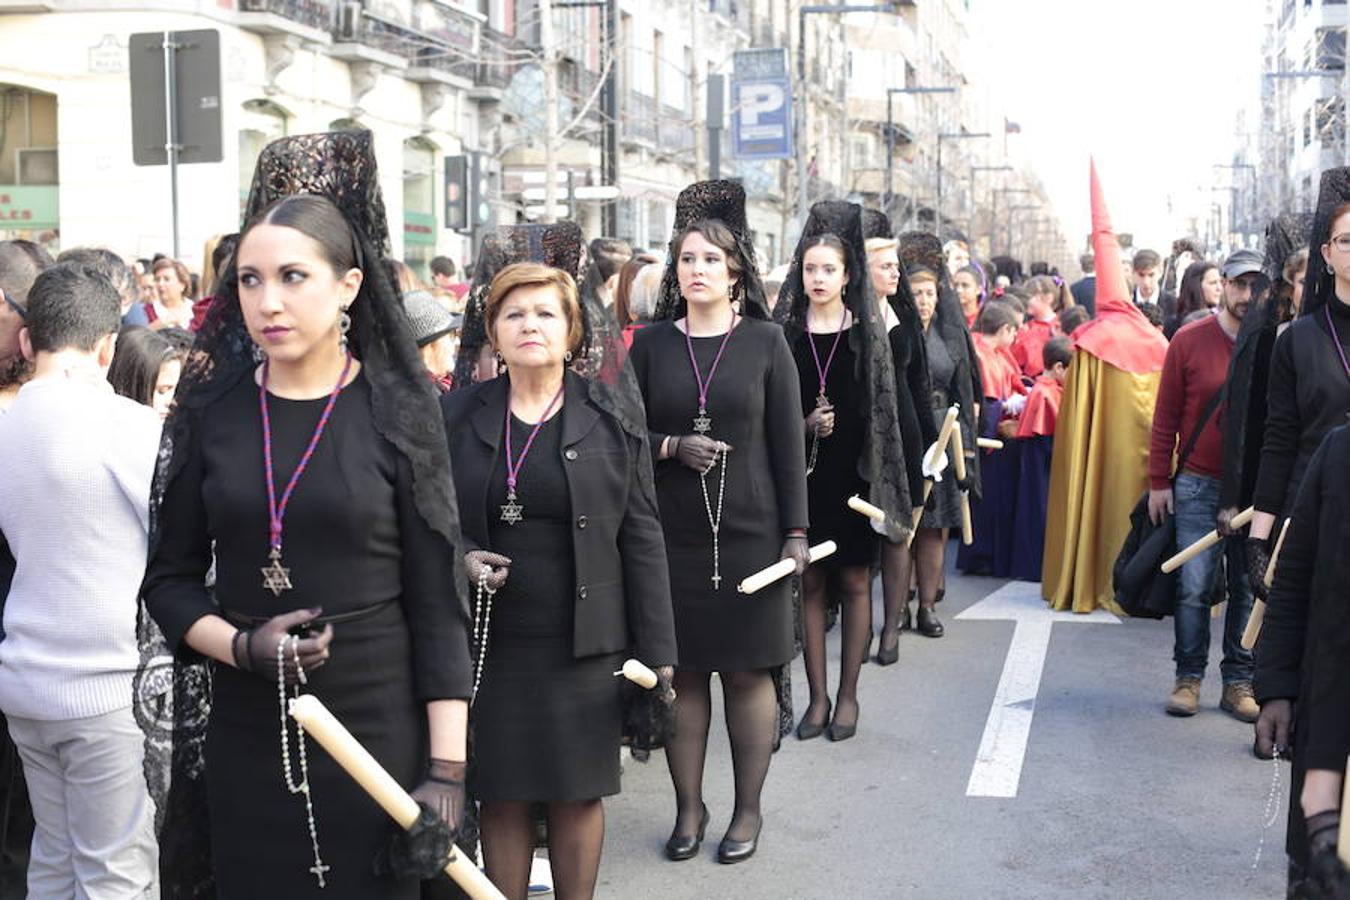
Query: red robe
{"points": [[1029, 347], [998, 372], [1042, 409]]}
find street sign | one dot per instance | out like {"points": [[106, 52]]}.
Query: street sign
{"points": [[761, 119], [195, 90]]}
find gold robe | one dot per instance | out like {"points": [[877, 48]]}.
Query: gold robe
{"points": [[1097, 475]]}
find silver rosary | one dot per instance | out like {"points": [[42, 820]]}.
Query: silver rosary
{"points": [[815, 451], [303, 786], [1272, 810], [715, 519], [482, 620]]}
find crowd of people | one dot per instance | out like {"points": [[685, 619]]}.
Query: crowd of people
{"points": [[452, 511]]}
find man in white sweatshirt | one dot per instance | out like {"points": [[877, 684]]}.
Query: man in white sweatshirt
{"points": [[76, 462]]}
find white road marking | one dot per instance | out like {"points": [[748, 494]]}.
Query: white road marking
{"points": [[998, 764]]}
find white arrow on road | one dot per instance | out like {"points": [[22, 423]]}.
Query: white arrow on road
{"points": [[998, 765]]}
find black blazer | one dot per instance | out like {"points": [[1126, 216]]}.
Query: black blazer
{"points": [[622, 582], [1084, 292]]}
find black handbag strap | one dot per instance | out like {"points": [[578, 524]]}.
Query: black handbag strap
{"points": [[1199, 427]]}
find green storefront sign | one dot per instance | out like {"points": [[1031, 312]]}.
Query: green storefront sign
{"points": [[25, 206], [419, 229]]}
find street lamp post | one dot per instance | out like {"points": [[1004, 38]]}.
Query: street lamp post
{"points": [[799, 121], [973, 170], [890, 135], [947, 136], [1013, 210], [1247, 219], [993, 212]]}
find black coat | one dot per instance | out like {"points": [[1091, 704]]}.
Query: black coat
{"points": [[1304, 649], [1084, 292], [622, 583]]}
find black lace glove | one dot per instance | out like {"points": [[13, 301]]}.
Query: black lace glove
{"points": [[255, 649], [1274, 729], [796, 548], [443, 791], [965, 484], [496, 567], [1258, 560], [420, 852], [697, 452], [1223, 521]]}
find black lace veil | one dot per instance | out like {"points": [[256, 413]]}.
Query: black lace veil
{"points": [[882, 463], [1320, 285], [172, 695], [1244, 411], [721, 201], [921, 250]]}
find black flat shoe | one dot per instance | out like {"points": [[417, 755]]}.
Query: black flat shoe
{"points": [[730, 852], [928, 624], [681, 847], [808, 730], [887, 657]]}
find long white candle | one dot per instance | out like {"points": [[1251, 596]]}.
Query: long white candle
{"points": [[348, 753], [1241, 520], [783, 568]]}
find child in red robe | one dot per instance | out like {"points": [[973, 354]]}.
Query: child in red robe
{"points": [[1035, 444], [1042, 325]]}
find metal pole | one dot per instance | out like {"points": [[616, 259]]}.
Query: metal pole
{"points": [[937, 207], [890, 155], [550, 109], [609, 164], [171, 128], [800, 121]]}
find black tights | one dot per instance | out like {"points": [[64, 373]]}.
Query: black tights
{"points": [[930, 547], [752, 725], [576, 835], [897, 570], [855, 586]]}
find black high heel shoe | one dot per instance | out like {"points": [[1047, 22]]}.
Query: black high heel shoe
{"points": [[730, 852], [808, 730], [907, 623], [681, 847], [887, 657], [837, 732]]}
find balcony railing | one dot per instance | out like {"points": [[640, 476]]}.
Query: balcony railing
{"points": [[317, 14]]}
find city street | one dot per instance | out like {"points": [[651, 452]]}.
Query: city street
{"points": [[1115, 800]]}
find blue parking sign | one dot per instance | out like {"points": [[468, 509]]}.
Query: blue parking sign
{"points": [[761, 119]]}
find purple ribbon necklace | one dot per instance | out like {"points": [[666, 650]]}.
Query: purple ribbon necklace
{"points": [[823, 373], [513, 512], [276, 577], [702, 421]]}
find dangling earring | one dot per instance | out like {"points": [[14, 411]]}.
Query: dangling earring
{"points": [[567, 357], [259, 354], [344, 325]]}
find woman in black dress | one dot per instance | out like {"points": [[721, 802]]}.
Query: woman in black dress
{"points": [[838, 339], [1308, 396], [724, 415], [561, 527], [330, 516], [912, 400]]}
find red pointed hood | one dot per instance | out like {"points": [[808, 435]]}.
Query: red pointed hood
{"points": [[1119, 335]]}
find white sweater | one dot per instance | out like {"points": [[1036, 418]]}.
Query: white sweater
{"points": [[76, 462]]}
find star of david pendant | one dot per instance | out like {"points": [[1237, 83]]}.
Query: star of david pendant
{"points": [[512, 512], [276, 577], [702, 422]]}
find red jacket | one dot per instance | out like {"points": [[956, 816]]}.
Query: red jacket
{"points": [[1030, 345], [1042, 409]]}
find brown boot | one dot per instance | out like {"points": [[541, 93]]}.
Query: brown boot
{"points": [[1239, 702], [1185, 699]]}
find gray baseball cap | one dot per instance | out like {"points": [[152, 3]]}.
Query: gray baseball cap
{"points": [[1241, 262]]}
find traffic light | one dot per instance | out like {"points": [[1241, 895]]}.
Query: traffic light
{"points": [[457, 193], [480, 192]]}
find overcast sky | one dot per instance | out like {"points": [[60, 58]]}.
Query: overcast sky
{"points": [[1150, 88]]}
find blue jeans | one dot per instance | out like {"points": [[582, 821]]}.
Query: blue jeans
{"points": [[1197, 500]]}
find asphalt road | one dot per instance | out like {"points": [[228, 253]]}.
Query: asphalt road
{"points": [[1115, 800]]}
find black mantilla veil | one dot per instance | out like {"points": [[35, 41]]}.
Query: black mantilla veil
{"points": [[1244, 411], [1320, 285], [921, 250], [173, 693], [720, 201], [882, 464]]}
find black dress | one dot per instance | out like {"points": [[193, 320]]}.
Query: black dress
{"points": [[754, 406], [835, 477], [546, 726], [1304, 647], [913, 391], [356, 547], [943, 509]]}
